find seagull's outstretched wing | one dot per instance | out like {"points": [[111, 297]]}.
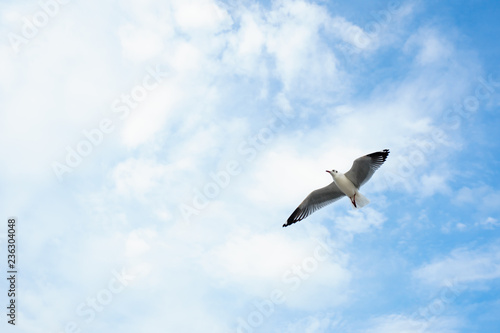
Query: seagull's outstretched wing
{"points": [[364, 167], [314, 201]]}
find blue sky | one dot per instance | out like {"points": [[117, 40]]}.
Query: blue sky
{"points": [[153, 149]]}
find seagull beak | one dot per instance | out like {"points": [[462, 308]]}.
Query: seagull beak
{"points": [[327, 171]]}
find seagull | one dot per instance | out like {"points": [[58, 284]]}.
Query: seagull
{"points": [[347, 184]]}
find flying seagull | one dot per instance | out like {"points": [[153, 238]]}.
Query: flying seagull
{"points": [[347, 184]]}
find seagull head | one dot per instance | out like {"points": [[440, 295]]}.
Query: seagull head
{"points": [[334, 173]]}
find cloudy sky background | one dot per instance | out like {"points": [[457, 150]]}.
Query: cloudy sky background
{"points": [[209, 122]]}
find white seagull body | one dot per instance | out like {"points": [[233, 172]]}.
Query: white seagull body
{"points": [[347, 184]]}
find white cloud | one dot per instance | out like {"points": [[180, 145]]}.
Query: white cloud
{"points": [[463, 265], [315, 324], [349, 32], [383, 29], [434, 183], [489, 223], [483, 197], [140, 44], [304, 63], [405, 324], [201, 15], [300, 269], [151, 114], [360, 221], [431, 47], [137, 177], [136, 244], [250, 36], [260, 257]]}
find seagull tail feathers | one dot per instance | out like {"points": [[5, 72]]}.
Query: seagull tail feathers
{"points": [[361, 200]]}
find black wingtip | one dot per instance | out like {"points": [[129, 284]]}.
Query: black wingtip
{"points": [[293, 218], [385, 153], [379, 156]]}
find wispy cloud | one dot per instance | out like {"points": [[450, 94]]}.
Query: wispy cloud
{"points": [[400, 323], [463, 265]]}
